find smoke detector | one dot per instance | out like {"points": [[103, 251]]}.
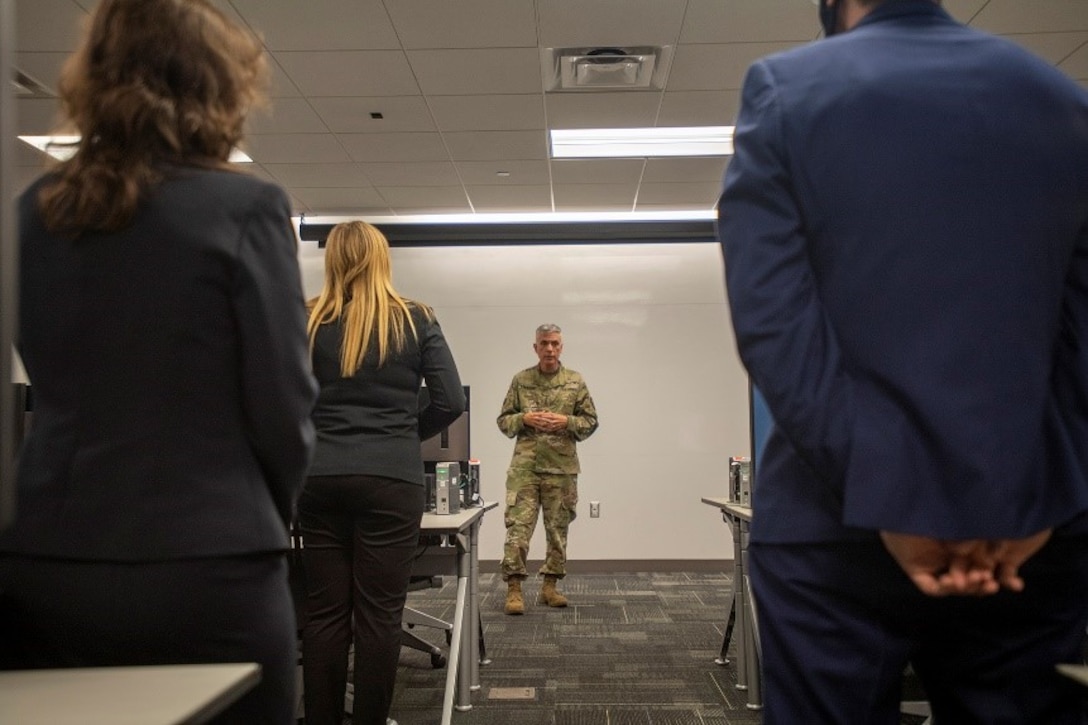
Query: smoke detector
{"points": [[605, 68]]}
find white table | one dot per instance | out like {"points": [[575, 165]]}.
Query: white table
{"points": [[153, 695], [739, 518], [463, 673], [749, 676]]}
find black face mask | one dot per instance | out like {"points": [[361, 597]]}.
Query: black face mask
{"points": [[829, 17]]}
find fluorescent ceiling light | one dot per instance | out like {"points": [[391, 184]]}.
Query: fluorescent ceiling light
{"points": [[59, 147], [642, 142], [63, 148], [523, 217]]}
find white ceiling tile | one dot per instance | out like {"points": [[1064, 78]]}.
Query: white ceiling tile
{"points": [[599, 23], [582, 197], [416, 173], [698, 192], [510, 198], [400, 114], [298, 207], [477, 72], [716, 67], [41, 67], [672, 170], [488, 113], [631, 109], [448, 197], [286, 115], [394, 147], [48, 25], [490, 145], [281, 85], [963, 10], [1022, 16], [259, 172], [486, 173], [1051, 47], [464, 24], [682, 206], [597, 171], [224, 7], [330, 201], [320, 24], [349, 73], [320, 175], [699, 108], [417, 211], [1076, 64], [290, 148], [729, 21], [36, 116]]}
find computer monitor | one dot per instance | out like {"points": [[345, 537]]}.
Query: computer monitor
{"points": [[451, 444]]}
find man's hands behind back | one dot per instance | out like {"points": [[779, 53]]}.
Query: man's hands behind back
{"points": [[976, 567]]}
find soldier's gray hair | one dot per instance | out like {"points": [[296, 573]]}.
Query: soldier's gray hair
{"points": [[548, 328]]}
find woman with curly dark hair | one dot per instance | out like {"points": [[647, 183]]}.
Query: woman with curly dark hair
{"points": [[162, 328]]}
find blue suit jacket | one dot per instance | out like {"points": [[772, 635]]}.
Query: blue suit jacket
{"points": [[905, 230]]}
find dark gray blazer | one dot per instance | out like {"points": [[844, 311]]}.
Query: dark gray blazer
{"points": [[371, 423], [171, 383]]}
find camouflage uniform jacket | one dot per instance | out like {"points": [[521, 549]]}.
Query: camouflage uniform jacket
{"points": [[562, 392]]}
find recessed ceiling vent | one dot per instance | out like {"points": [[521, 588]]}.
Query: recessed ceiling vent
{"points": [[605, 68]]}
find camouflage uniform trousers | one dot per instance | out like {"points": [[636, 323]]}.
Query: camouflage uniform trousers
{"points": [[527, 493]]}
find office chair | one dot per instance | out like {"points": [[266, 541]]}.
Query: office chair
{"points": [[413, 618]]}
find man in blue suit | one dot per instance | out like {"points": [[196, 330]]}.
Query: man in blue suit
{"points": [[905, 231]]}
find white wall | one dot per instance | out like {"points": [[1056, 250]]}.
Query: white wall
{"points": [[648, 327]]}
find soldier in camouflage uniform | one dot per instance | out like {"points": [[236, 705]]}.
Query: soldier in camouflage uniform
{"points": [[548, 409]]}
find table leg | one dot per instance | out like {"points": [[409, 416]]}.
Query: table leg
{"points": [[464, 665], [739, 604], [475, 630], [751, 652], [453, 667]]}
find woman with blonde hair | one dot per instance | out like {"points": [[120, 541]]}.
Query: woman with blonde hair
{"points": [[162, 327], [361, 506]]}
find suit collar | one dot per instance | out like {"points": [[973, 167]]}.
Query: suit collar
{"points": [[898, 9]]}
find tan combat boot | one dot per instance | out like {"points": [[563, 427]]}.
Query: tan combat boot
{"points": [[515, 604], [549, 595]]}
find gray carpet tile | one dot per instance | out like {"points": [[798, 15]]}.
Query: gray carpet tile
{"points": [[631, 649]]}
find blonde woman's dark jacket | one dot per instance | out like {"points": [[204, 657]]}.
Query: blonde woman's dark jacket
{"points": [[370, 423]]}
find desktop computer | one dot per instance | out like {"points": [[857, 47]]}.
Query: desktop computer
{"points": [[447, 487], [740, 480], [470, 490]]}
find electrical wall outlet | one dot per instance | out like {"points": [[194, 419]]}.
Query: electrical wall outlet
{"points": [[594, 509]]}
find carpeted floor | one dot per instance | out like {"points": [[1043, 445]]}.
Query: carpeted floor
{"points": [[632, 649]]}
